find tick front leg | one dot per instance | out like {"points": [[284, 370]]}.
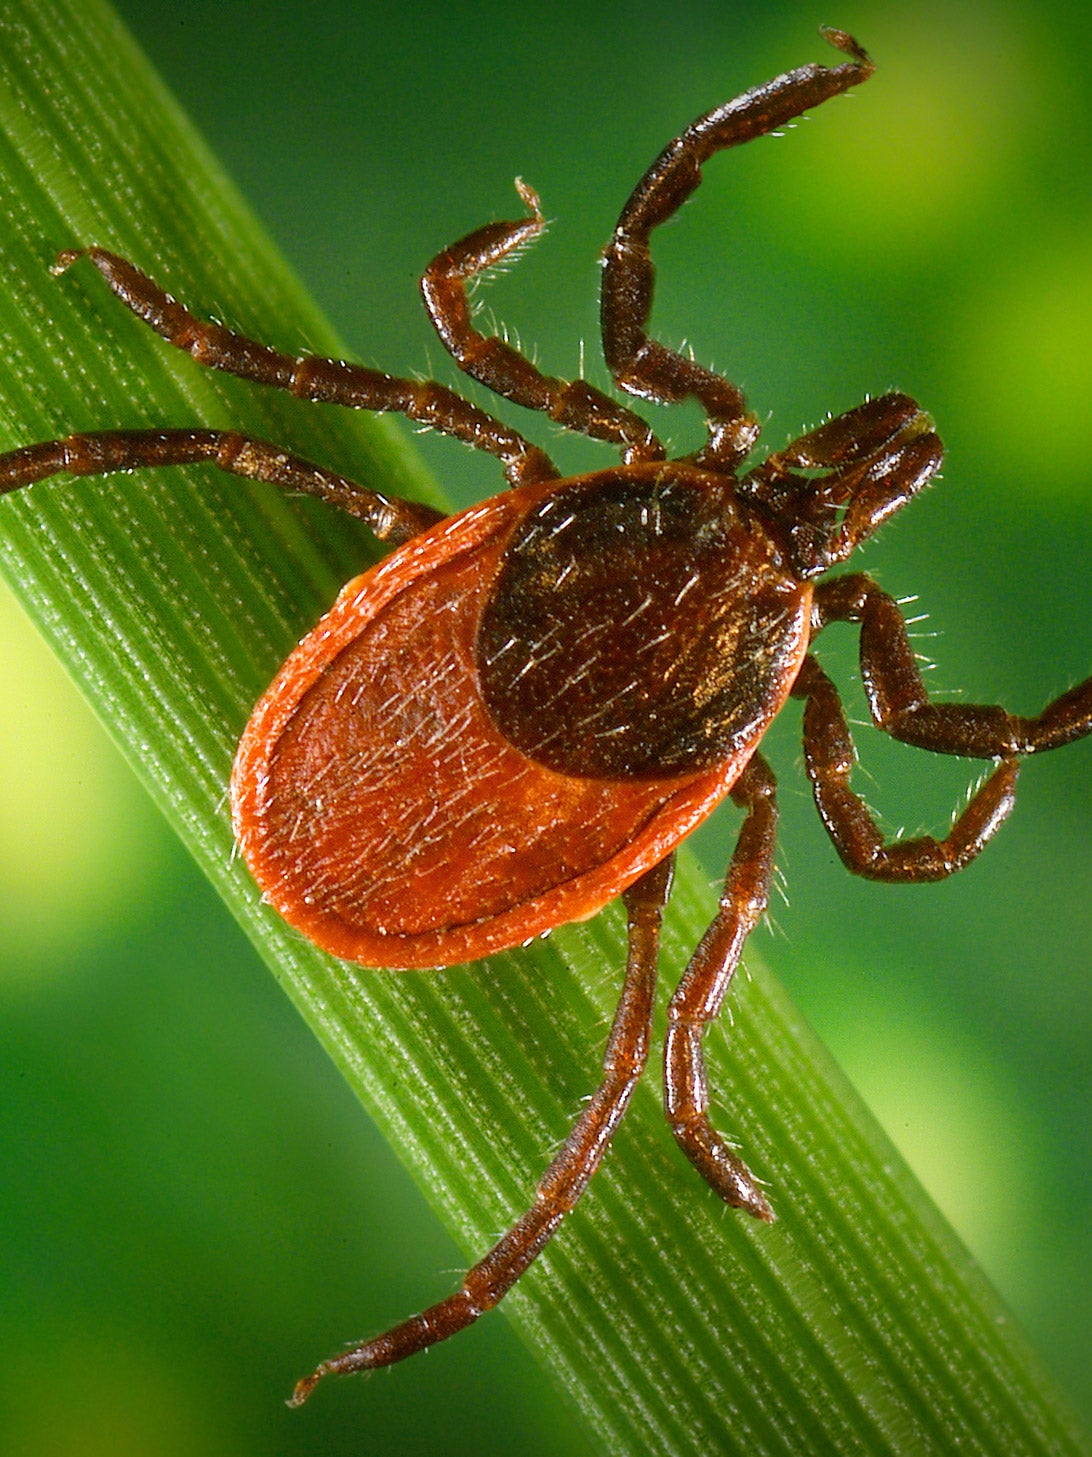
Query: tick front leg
{"points": [[699, 996], [574, 404], [105, 452], [310, 377], [566, 1178], [643, 365]]}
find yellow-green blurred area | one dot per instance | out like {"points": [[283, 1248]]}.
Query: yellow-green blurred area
{"points": [[190, 1197]]}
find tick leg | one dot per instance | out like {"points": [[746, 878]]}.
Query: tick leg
{"points": [[574, 404], [642, 365], [566, 1178], [830, 756], [698, 998], [900, 705], [313, 378], [391, 518]]}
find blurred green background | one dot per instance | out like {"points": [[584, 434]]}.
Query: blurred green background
{"points": [[168, 1214]]}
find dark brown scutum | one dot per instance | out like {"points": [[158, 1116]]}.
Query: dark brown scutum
{"points": [[638, 626]]}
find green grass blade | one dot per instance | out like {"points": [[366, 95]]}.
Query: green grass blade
{"points": [[857, 1324]]}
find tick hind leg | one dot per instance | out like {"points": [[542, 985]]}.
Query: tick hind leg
{"points": [[700, 995], [900, 705], [310, 377], [566, 1178], [105, 452], [643, 365]]}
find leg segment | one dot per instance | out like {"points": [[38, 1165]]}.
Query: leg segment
{"points": [[641, 365], [830, 756], [698, 998], [566, 1178], [574, 404], [900, 704], [391, 518], [330, 380]]}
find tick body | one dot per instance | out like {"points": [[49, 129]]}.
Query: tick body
{"points": [[499, 728], [518, 715]]}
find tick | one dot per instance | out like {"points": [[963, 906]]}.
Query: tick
{"points": [[518, 715]]}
